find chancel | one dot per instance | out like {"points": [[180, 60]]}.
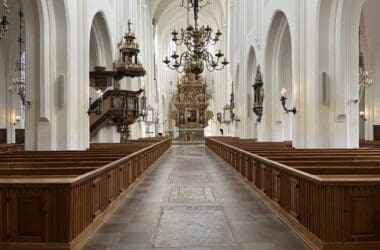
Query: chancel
{"points": [[189, 124]]}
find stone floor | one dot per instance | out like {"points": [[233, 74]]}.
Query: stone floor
{"points": [[192, 200]]}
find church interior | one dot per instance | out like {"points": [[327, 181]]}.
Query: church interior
{"points": [[189, 124]]}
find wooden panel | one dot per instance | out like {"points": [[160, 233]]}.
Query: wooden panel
{"points": [[294, 197], [262, 177], [123, 178], [256, 173], [20, 136], [96, 197], [276, 185], [113, 185], [360, 218], [249, 167], [29, 214], [2, 216], [3, 136], [27, 217], [242, 165], [130, 172], [376, 132]]}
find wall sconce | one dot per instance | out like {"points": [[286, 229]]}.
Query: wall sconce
{"points": [[231, 109], [17, 120], [362, 115], [143, 107], [227, 114], [234, 116], [219, 117], [283, 102]]}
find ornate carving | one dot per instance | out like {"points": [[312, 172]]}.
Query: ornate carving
{"points": [[191, 102], [259, 94]]}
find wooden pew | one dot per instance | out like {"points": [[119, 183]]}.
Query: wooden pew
{"points": [[332, 202], [57, 201]]}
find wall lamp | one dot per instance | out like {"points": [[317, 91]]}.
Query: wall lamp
{"points": [[362, 115], [283, 102], [234, 116], [17, 120], [219, 117]]}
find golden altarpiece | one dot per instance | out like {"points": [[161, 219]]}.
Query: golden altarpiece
{"points": [[191, 102]]}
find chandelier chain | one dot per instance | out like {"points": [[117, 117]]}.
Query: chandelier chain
{"points": [[197, 41], [18, 83]]}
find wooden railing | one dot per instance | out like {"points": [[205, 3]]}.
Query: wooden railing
{"points": [[4, 148], [328, 211], [58, 212]]}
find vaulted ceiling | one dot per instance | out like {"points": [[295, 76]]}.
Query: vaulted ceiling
{"points": [[169, 15]]}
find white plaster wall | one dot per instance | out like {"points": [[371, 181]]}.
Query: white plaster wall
{"points": [[324, 38]]}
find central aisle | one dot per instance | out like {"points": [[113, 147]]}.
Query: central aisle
{"points": [[192, 200]]}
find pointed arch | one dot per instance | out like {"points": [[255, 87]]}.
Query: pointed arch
{"points": [[100, 42], [278, 74]]}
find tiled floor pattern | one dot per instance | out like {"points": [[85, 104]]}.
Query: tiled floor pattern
{"points": [[191, 200]]}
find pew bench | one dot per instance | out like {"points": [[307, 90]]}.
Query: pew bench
{"points": [[59, 204], [331, 203]]}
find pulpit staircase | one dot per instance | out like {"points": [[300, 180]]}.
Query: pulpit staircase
{"points": [[115, 107]]}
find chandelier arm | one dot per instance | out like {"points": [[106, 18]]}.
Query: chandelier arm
{"points": [[221, 67], [212, 42], [209, 68], [180, 70], [177, 43], [209, 56], [208, 37], [213, 58], [171, 67], [218, 60], [185, 54]]}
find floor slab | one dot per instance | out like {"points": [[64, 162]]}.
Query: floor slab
{"points": [[193, 226]]}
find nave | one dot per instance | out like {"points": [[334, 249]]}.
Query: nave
{"points": [[191, 199]]}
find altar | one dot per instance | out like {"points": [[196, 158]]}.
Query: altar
{"points": [[191, 115], [191, 136]]}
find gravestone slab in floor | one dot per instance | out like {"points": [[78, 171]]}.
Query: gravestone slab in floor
{"points": [[191, 194], [189, 178], [193, 226]]}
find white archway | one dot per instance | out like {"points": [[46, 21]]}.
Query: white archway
{"points": [[100, 54], [278, 75], [100, 43], [339, 23]]}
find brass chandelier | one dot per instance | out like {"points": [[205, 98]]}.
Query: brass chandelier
{"points": [[197, 41], [4, 24], [18, 86], [364, 79]]}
